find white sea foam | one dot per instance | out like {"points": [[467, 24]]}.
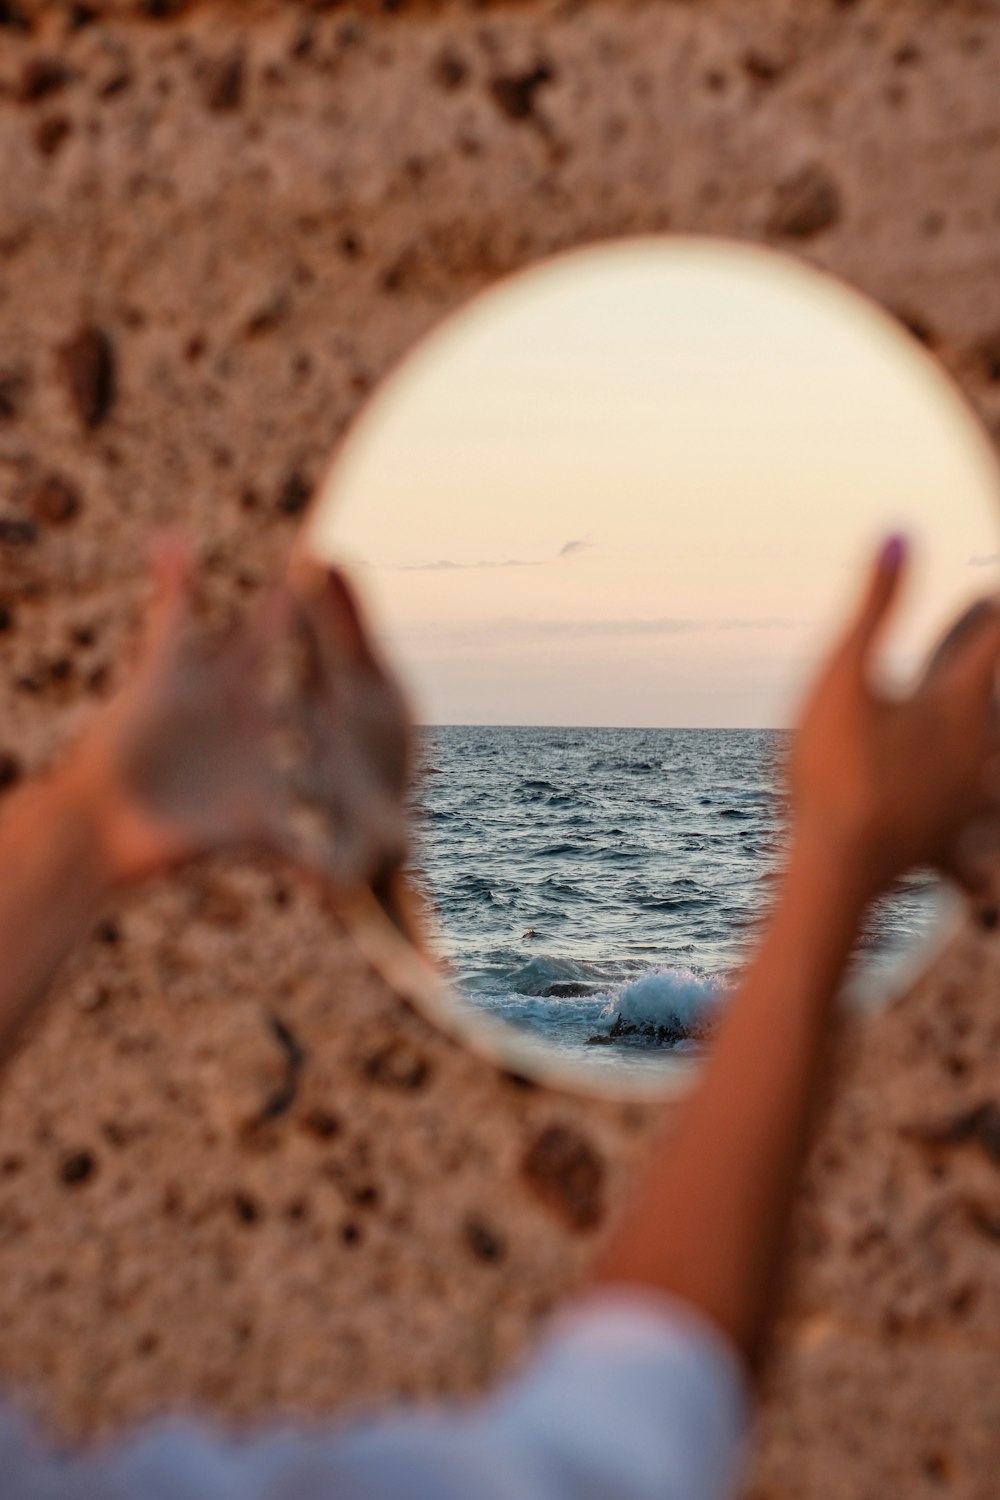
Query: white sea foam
{"points": [[675, 1002], [677, 997]]}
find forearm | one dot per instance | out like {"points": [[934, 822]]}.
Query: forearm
{"points": [[57, 874], [708, 1222]]}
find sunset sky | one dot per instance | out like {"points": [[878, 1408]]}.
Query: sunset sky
{"points": [[635, 486]]}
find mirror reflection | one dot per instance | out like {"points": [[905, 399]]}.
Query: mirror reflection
{"points": [[606, 520]]}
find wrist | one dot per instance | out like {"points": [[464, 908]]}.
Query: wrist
{"points": [[78, 808], [848, 857], [819, 911], [834, 869], [91, 794]]}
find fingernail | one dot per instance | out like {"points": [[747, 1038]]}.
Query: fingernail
{"points": [[893, 550]]}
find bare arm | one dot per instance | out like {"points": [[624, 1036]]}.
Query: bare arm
{"points": [[174, 766], [59, 876], [877, 786], [184, 762]]}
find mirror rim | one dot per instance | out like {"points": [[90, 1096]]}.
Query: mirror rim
{"points": [[416, 976]]}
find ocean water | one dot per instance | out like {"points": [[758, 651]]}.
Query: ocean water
{"points": [[599, 887]]}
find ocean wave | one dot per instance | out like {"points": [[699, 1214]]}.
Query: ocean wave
{"points": [[476, 888], [674, 903], [667, 1007], [679, 996], [641, 850], [547, 977]]}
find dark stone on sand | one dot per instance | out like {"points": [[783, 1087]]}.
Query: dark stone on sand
{"points": [[17, 531], [78, 1168], [284, 1097], [116, 84], [51, 132], [918, 326], [519, 1080], [246, 1208], [763, 67], [223, 82], [11, 770], [14, 16], [450, 70], [89, 368], [980, 1124], [41, 77], [984, 1220], [293, 497], [161, 10], [289, 1043], [269, 315], [484, 1242], [397, 1065], [322, 1124], [13, 388], [989, 354], [805, 205], [515, 93], [566, 1174], [55, 500]]}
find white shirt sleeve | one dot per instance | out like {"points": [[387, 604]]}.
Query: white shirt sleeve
{"points": [[631, 1396]]}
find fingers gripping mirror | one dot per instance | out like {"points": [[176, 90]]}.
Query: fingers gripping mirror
{"points": [[606, 520]]}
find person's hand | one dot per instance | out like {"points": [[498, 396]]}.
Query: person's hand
{"points": [[353, 766], [885, 783], [181, 762]]}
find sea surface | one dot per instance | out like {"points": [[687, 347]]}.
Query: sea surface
{"points": [[599, 887]]}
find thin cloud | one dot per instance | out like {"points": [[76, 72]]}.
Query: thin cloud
{"points": [[446, 565], [662, 625], [667, 625]]}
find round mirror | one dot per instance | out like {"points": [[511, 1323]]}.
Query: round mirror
{"points": [[605, 521]]}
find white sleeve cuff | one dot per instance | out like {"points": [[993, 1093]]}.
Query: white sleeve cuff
{"points": [[633, 1395]]}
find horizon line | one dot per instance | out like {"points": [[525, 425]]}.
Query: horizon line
{"points": [[670, 728]]}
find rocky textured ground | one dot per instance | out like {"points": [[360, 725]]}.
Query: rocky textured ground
{"points": [[234, 1169]]}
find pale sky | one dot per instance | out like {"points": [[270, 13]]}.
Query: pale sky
{"points": [[635, 486]]}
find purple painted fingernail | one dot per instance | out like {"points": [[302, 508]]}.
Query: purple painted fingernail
{"points": [[893, 550]]}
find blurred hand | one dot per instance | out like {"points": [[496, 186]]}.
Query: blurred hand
{"points": [[186, 759], [354, 764], [886, 784], [180, 762]]}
